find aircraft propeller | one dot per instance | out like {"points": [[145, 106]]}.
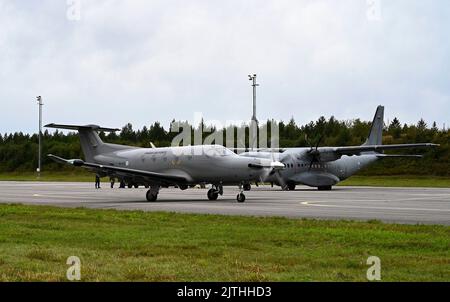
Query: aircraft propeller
{"points": [[276, 171], [314, 151]]}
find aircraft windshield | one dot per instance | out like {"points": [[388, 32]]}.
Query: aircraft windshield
{"points": [[219, 151]]}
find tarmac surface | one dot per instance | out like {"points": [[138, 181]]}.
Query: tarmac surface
{"points": [[400, 205]]}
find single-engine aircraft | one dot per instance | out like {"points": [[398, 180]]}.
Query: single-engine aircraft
{"points": [[324, 167], [155, 168]]}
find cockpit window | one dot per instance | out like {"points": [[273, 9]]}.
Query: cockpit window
{"points": [[217, 150]]}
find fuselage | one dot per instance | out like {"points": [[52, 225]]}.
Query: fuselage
{"points": [[197, 164], [298, 169]]}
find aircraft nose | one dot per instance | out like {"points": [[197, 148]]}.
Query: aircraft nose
{"points": [[268, 164], [276, 165]]}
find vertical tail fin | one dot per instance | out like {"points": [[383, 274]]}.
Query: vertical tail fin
{"points": [[91, 143], [376, 131]]}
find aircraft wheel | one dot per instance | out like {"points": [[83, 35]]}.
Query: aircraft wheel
{"points": [[291, 186], [247, 187], [136, 186], [240, 197], [151, 196], [130, 186], [212, 194], [324, 188]]}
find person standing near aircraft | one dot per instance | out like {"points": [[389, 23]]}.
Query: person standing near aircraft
{"points": [[97, 181]]}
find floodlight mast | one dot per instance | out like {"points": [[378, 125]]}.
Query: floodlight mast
{"points": [[254, 121], [40, 104], [254, 85]]}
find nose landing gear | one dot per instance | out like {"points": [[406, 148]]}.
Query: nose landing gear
{"points": [[241, 196]]}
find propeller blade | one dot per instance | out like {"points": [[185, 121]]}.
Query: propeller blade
{"points": [[318, 142], [310, 165], [281, 180]]}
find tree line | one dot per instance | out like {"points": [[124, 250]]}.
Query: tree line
{"points": [[18, 151]]}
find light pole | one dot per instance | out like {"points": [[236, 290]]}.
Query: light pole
{"points": [[40, 104], [254, 85], [254, 121]]}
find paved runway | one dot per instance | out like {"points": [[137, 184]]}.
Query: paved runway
{"points": [[402, 205]]}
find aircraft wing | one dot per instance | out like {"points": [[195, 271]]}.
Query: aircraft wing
{"points": [[398, 156], [240, 150], [357, 150], [327, 154], [125, 172]]}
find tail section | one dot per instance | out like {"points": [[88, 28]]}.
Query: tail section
{"points": [[376, 131], [91, 143]]}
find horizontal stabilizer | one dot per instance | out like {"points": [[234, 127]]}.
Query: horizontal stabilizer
{"points": [[73, 162], [77, 127]]}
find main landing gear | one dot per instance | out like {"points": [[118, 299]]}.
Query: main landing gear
{"points": [[291, 186], [214, 192], [217, 190], [324, 188], [247, 187], [152, 194]]}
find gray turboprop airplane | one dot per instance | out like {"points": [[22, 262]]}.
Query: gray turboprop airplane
{"points": [[154, 168], [324, 167]]}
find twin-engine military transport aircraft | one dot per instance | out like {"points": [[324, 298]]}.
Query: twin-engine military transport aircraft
{"points": [[324, 167], [154, 168]]}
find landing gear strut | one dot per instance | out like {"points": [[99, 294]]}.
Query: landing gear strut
{"points": [[152, 194]]}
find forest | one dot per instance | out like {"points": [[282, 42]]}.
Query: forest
{"points": [[18, 151]]}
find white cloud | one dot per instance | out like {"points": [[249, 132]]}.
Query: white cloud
{"points": [[142, 61]]}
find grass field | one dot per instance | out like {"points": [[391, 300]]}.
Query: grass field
{"points": [[35, 243], [375, 181]]}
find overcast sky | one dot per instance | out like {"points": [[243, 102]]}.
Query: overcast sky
{"points": [[142, 61]]}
